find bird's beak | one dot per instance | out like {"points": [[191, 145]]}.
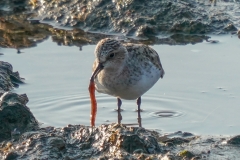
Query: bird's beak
{"points": [[97, 70]]}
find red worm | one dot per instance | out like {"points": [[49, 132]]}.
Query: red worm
{"points": [[91, 89]]}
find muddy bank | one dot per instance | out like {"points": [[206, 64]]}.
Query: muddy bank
{"points": [[142, 18], [18, 32], [157, 22], [22, 138]]}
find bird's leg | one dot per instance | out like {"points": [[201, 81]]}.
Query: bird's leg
{"points": [[119, 110], [139, 112]]}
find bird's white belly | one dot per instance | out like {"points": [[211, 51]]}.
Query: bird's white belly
{"points": [[143, 85], [133, 91]]}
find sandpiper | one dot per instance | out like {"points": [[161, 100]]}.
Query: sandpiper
{"points": [[125, 70]]}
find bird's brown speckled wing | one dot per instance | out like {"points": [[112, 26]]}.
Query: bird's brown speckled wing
{"points": [[148, 52]]}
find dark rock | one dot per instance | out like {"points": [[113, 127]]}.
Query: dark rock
{"points": [[132, 143], [57, 142], [15, 116], [146, 30], [187, 134], [230, 27], [191, 27], [8, 78], [234, 140], [177, 140], [11, 156], [13, 6]]}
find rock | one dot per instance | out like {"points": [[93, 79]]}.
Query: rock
{"points": [[176, 140], [190, 27], [234, 140], [230, 27], [145, 31], [57, 142], [82, 142], [11, 156], [15, 116], [8, 78]]}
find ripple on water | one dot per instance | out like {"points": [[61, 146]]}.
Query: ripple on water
{"points": [[75, 108], [166, 114], [163, 106]]}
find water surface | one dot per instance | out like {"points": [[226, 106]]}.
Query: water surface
{"points": [[199, 92]]}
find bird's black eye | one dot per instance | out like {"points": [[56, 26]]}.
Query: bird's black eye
{"points": [[111, 55]]}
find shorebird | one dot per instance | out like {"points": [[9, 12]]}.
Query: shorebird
{"points": [[125, 71]]}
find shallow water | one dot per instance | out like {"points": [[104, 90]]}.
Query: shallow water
{"points": [[199, 92]]}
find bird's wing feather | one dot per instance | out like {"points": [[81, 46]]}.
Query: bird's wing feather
{"points": [[148, 52]]}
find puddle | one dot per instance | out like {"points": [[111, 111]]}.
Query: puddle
{"points": [[199, 92]]}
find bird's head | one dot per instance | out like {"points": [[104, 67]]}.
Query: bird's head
{"points": [[110, 54]]}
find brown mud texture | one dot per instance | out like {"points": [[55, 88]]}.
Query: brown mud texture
{"points": [[142, 18]]}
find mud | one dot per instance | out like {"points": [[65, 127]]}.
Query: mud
{"points": [[141, 18], [24, 23]]}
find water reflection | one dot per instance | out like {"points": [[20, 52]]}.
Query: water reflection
{"points": [[139, 119], [19, 33]]}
